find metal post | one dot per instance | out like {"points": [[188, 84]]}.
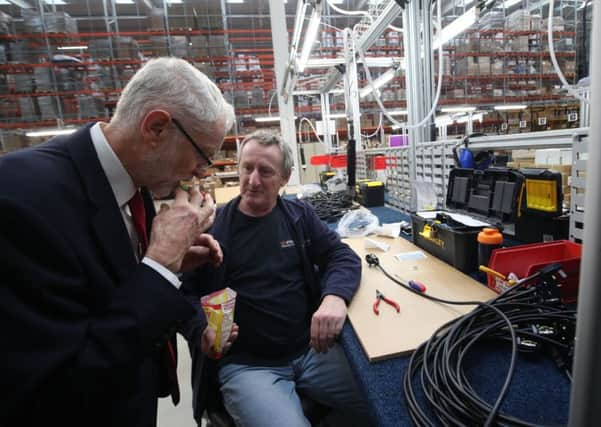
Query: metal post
{"points": [[57, 99], [351, 92], [280, 56], [585, 404], [427, 74], [414, 110], [325, 116], [166, 26], [107, 25], [230, 66]]}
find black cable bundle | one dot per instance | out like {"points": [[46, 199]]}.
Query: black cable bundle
{"points": [[532, 319], [330, 206]]}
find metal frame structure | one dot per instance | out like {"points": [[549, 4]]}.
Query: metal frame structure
{"points": [[585, 404]]}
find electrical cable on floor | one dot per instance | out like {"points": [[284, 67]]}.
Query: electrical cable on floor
{"points": [[530, 317]]}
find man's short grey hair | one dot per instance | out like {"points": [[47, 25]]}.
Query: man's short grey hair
{"points": [[264, 137], [173, 85]]}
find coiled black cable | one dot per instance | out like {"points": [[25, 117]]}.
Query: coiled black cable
{"points": [[529, 318], [330, 206]]}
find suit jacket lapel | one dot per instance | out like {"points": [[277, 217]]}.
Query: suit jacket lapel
{"points": [[107, 221]]}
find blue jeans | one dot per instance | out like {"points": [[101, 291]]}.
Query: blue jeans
{"points": [[261, 396]]}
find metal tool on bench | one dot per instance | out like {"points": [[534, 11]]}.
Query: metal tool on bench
{"points": [[380, 297]]}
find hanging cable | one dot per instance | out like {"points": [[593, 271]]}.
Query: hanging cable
{"points": [[304, 119], [438, 89], [349, 12], [378, 128]]}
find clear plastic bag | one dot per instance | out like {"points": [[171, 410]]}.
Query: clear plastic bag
{"points": [[309, 190], [356, 223]]}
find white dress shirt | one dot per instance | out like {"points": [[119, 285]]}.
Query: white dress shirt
{"points": [[124, 189]]}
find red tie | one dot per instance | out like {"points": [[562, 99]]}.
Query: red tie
{"points": [[138, 216]]}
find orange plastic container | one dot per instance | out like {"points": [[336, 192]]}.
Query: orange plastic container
{"points": [[525, 260]]}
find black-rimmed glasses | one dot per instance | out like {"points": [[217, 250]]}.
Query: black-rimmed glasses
{"points": [[196, 147]]}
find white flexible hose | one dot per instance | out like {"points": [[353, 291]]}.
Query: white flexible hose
{"points": [[376, 131], [564, 82], [300, 125], [438, 89], [348, 12]]}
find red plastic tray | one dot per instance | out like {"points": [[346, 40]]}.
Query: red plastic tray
{"points": [[525, 260]]}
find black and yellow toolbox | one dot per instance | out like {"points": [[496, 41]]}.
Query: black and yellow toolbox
{"points": [[370, 193], [492, 196], [541, 211]]}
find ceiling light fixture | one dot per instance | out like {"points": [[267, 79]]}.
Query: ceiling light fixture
{"points": [[508, 3], [397, 113], [310, 37], [51, 132], [378, 83], [266, 119], [83, 47], [456, 27], [458, 109], [510, 107]]}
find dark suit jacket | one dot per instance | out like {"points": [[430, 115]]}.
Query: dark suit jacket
{"points": [[82, 323]]}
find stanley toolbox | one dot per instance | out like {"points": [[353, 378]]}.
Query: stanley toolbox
{"points": [[491, 196]]}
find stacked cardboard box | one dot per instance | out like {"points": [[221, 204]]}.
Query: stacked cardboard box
{"points": [[51, 22]]}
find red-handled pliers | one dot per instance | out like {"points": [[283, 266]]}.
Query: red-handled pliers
{"points": [[379, 297]]}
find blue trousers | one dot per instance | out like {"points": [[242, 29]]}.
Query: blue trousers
{"points": [[262, 396]]}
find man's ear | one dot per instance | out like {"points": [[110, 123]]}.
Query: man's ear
{"points": [[285, 180], [154, 125]]}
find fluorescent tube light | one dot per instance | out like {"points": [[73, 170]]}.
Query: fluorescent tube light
{"points": [[338, 116], [51, 132], [458, 109], [72, 47], [310, 37], [456, 27], [266, 119], [371, 62], [234, 1], [21, 3], [55, 2], [124, 2], [378, 83], [510, 107], [397, 113], [4, 2], [508, 3]]}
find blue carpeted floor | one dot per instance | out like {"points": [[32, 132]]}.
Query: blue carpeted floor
{"points": [[539, 392]]}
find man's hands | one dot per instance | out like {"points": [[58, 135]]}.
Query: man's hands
{"points": [[207, 341], [327, 323], [177, 240]]}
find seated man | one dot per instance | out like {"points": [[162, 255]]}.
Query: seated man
{"points": [[294, 279]]}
